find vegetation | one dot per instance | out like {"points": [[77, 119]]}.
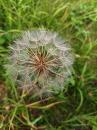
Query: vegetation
{"points": [[76, 107]]}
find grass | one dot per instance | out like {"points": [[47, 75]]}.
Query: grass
{"points": [[76, 107]]}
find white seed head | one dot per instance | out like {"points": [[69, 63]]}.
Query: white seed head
{"points": [[40, 60]]}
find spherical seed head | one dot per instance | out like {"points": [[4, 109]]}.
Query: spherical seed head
{"points": [[40, 60]]}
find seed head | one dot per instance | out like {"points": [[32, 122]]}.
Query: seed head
{"points": [[40, 60]]}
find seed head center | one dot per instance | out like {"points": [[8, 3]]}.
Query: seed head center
{"points": [[41, 63]]}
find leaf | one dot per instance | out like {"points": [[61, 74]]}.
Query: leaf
{"points": [[60, 9], [94, 128]]}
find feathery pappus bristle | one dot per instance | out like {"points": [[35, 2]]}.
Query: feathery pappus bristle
{"points": [[40, 60]]}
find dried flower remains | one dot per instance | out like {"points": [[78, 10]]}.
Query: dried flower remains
{"points": [[40, 60]]}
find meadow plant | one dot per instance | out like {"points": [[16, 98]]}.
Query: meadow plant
{"points": [[40, 60]]}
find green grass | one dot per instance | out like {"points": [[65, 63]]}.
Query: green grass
{"points": [[76, 107]]}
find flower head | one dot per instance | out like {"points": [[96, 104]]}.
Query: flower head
{"points": [[40, 60]]}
